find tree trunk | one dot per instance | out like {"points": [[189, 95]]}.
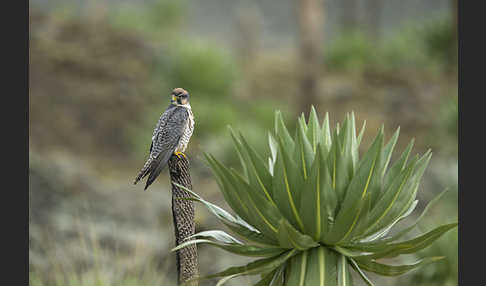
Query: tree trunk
{"points": [[248, 34], [310, 18], [183, 215]]}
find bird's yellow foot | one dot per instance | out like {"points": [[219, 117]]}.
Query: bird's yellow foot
{"points": [[178, 154]]}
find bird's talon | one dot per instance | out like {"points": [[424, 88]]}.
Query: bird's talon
{"points": [[178, 154]]}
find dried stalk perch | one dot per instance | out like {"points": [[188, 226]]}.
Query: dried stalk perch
{"points": [[183, 215]]}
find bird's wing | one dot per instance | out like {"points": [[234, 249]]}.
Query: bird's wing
{"points": [[166, 140], [150, 161]]}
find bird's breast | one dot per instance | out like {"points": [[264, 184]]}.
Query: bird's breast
{"points": [[189, 128]]}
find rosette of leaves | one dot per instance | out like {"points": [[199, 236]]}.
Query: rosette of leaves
{"points": [[315, 209]]}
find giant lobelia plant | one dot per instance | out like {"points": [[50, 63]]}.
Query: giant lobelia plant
{"points": [[315, 210]]}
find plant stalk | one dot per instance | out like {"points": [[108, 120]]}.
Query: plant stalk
{"points": [[183, 216]]}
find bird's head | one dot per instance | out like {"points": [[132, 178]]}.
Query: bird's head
{"points": [[179, 96]]}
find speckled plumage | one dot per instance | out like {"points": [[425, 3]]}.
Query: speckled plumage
{"points": [[171, 134], [186, 135]]}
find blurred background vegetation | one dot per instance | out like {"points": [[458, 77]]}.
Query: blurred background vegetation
{"points": [[100, 76]]}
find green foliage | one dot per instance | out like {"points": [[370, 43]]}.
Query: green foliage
{"points": [[208, 73], [157, 19], [91, 76], [203, 69], [450, 116], [405, 50], [440, 42], [103, 268], [421, 46], [312, 209], [351, 51], [97, 279], [356, 51], [444, 273]]}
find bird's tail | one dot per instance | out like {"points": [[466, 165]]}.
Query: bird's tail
{"points": [[154, 172], [145, 170]]}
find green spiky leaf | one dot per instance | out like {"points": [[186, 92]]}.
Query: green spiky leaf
{"points": [[315, 209]]}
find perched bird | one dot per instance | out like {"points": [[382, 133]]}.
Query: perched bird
{"points": [[171, 136]]}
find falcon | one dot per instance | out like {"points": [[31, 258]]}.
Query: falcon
{"points": [[171, 136]]}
